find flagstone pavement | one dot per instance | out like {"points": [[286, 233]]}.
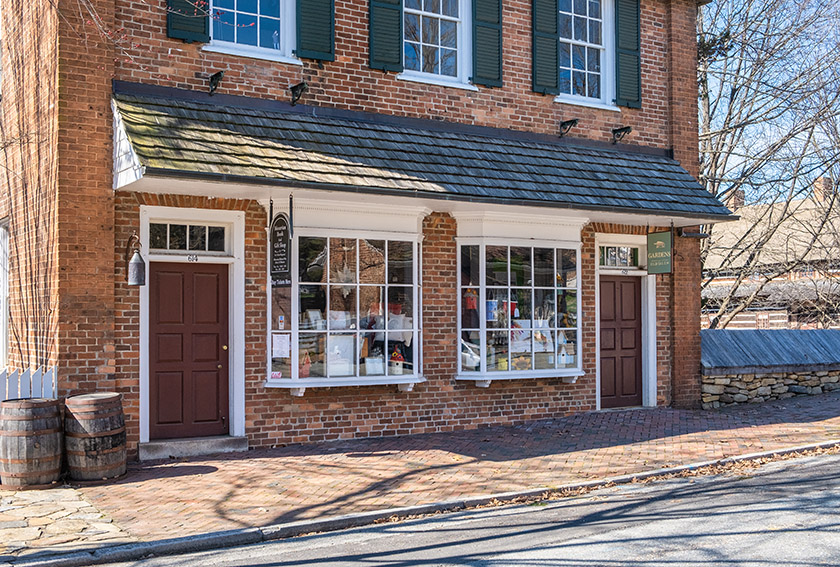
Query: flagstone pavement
{"points": [[167, 499]]}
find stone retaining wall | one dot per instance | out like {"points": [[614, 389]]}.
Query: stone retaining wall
{"points": [[733, 389]]}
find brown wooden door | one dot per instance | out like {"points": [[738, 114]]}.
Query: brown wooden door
{"points": [[621, 342], [188, 350]]}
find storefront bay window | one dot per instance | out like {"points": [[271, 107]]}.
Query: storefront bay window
{"points": [[350, 315], [519, 308]]}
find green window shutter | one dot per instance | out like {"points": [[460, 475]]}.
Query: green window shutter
{"points": [[487, 43], [628, 55], [386, 35], [186, 20], [546, 44], [316, 29]]}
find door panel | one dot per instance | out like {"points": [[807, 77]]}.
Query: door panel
{"points": [[621, 341], [188, 370]]}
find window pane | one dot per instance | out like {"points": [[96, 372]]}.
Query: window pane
{"points": [[470, 265], [578, 57], [225, 4], [497, 265], [595, 9], [281, 367], [372, 355], [544, 308], [566, 349], [520, 265], [565, 26], [372, 261], [198, 238], [216, 238], [450, 8], [342, 307], [565, 81], [400, 264], [469, 308], [594, 87], [313, 307], [520, 306], [432, 6], [246, 29], [312, 255], [431, 64], [565, 55], [157, 236], [270, 8], [249, 6], [448, 62], [430, 30], [595, 32], [543, 348], [412, 27], [342, 260], [520, 350], [400, 308], [224, 26], [470, 351], [412, 56], [593, 59], [311, 350], [281, 308], [580, 28], [177, 237], [413, 4], [565, 5], [341, 357], [497, 351], [579, 83], [580, 7], [448, 33], [543, 267], [496, 308], [566, 309], [372, 307], [399, 354], [269, 33]]}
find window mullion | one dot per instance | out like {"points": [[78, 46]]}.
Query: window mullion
{"points": [[482, 305]]}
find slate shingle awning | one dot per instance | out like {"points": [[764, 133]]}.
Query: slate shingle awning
{"points": [[750, 351], [173, 136]]}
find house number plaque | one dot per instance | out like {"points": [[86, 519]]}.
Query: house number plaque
{"points": [[281, 249]]}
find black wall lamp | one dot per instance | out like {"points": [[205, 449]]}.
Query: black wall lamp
{"points": [[567, 125], [297, 91], [135, 267], [215, 79], [619, 134]]}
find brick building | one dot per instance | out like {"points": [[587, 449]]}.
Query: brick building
{"points": [[358, 218]]}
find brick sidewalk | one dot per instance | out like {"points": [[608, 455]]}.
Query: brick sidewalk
{"points": [[173, 499]]}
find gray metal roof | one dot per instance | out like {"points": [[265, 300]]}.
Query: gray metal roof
{"points": [[181, 136], [780, 350]]}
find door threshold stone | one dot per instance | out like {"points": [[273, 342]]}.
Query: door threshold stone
{"points": [[191, 447]]}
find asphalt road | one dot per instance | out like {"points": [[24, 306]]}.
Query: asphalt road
{"points": [[783, 514]]}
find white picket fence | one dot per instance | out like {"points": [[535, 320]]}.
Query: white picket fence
{"points": [[28, 383]]}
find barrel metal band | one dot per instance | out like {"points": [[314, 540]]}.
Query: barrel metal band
{"points": [[29, 433], [98, 434]]}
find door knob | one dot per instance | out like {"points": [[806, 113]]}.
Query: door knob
{"points": [[219, 367], [224, 347]]}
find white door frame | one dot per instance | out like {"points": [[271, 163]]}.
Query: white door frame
{"points": [[235, 257], [648, 292]]}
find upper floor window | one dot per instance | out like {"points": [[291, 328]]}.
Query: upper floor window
{"points": [[258, 25], [581, 56], [431, 36]]}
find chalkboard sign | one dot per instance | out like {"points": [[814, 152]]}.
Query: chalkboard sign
{"points": [[281, 251]]}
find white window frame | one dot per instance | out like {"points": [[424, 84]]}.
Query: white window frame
{"points": [[483, 378], [607, 100], [648, 308], [288, 37], [4, 293], [462, 80]]}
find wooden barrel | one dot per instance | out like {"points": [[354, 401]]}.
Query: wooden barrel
{"points": [[30, 441], [94, 431]]}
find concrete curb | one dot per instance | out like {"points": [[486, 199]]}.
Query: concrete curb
{"points": [[246, 536]]}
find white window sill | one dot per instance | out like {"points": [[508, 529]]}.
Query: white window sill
{"points": [[589, 104], [298, 386], [435, 80], [252, 52], [483, 380]]}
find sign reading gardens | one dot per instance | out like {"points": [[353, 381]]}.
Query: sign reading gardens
{"points": [[659, 253], [281, 249]]}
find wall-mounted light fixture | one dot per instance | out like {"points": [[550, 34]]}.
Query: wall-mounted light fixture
{"points": [[690, 234], [135, 267], [567, 125], [619, 134], [297, 91], [215, 79]]}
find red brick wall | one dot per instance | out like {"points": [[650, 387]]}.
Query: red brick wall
{"points": [[348, 82], [29, 129]]}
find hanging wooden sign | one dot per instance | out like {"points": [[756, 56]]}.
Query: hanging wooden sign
{"points": [[280, 251], [659, 253]]}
